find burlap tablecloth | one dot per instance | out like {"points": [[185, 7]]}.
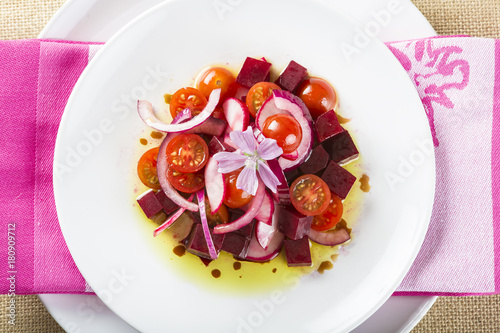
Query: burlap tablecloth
{"points": [[481, 18]]}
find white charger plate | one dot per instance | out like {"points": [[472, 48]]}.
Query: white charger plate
{"points": [[90, 20]]}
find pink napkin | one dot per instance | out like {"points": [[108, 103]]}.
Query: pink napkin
{"points": [[458, 79]]}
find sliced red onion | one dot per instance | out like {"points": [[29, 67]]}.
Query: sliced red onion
{"points": [[266, 211], [146, 113], [204, 223], [249, 214], [214, 184], [171, 219], [236, 113], [291, 156], [329, 238], [257, 253], [283, 194], [162, 168], [257, 133], [265, 232], [285, 102]]}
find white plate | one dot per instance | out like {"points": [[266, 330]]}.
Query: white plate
{"points": [[91, 20]]}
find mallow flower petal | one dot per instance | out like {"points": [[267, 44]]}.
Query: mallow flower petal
{"points": [[268, 149], [244, 140], [268, 176], [247, 180], [229, 161]]}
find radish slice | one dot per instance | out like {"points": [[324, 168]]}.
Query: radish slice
{"points": [[283, 194], [249, 214], [285, 102], [162, 168], [237, 114], [146, 113], [214, 184], [265, 232], [171, 219], [257, 133], [257, 253], [292, 156], [266, 211], [329, 238], [204, 223]]}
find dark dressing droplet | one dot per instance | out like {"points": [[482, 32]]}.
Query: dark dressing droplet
{"points": [[179, 250], [216, 273], [156, 135], [364, 185], [143, 141], [274, 270], [342, 120], [325, 265], [237, 266]]}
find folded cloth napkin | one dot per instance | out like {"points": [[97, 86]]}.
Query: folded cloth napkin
{"points": [[458, 79]]}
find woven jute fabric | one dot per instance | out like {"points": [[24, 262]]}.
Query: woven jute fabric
{"points": [[481, 18]]}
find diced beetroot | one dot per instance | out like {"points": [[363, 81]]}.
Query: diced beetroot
{"points": [[211, 126], [205, 261], [291, 223], [149, 203], [291, 77], [292, 175], [341, 148], [327, 125], [316, 162], [215, 146], [168, 205], [247, 230], [235, 244], [338, 179], [253, 71], [197, 245], [298, 252]]}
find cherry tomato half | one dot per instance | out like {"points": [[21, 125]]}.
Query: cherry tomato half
{"points": [[235, 198], [285, 130], [318, 95], [213, 78], [221, 217], [187, 182], [187, 98], [146, 169], [258, 94], [310, 195], [330, 217], [187, 153]]}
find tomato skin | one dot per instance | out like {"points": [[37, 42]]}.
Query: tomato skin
{"points": [[285, 130], [318, 95], [235, 198], [187, 153], [220, 217], [187, 98], [258, 94], [146, 169], [310, 195], [214, 78], [330, 217], [187, 182]]}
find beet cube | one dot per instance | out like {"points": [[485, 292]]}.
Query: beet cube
{"points": [[291, 223], [235, 244], [341, 148], [168, 205], [338, 179], [215, 146], [292, 175], [205, 261], [253, 71], [298, 252], [149, 203], [316, 162], [327, 125], [291, 77], [197, 245]]}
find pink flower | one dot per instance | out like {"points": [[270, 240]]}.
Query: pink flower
{"points": [[252, 156]]}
